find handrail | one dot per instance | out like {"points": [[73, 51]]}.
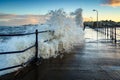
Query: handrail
{"points": [[24, 33], [113, 33], [110, 32], [10, 67], [20, 65], [16, 34], [14, 52]]}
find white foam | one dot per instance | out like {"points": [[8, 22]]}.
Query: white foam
{"points": [[67, 33]]}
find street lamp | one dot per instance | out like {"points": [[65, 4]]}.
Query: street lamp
{"points": [[97, 21], [97, 16]]}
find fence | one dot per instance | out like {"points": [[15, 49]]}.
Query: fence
{"points": [[110, 32], [17, 52]]}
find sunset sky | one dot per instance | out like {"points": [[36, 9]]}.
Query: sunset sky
{"points": [[18, 12]]}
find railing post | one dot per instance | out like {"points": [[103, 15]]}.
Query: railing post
{"points": [[107, 31], [112, 34], [115, 35], [110, 29], [36, 45]]}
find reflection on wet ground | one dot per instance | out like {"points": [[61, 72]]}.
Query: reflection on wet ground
{"points": [[95, 60]]}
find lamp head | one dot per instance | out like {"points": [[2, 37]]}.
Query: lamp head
{"points": [[94, 10]]}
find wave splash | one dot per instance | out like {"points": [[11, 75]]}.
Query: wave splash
{"points": [[67, 33]]}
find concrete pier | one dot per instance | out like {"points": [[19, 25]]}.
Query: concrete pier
{"points": [[94, 60]]}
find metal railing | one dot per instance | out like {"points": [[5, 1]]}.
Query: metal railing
{"points": [[110, 33], [21, 51]]}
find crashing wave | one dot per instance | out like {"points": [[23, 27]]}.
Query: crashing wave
{"points": [[67, 33]]}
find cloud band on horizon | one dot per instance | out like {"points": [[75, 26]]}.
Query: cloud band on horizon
{"points": [[16, 20]]}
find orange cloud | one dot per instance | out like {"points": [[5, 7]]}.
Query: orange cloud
{"points": [[113, 3]]}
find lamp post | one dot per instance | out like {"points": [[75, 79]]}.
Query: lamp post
{"points": [[97, 22]]}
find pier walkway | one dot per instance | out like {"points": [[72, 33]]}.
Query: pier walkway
{"points": [[93, 60]]}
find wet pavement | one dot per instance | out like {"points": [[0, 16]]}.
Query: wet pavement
{"points": [[94, 60]]}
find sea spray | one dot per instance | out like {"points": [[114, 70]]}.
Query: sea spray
{"points": [[78, 17], [67, 33]]}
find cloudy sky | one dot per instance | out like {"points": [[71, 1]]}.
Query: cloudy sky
{"points": [[19, 12]]}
